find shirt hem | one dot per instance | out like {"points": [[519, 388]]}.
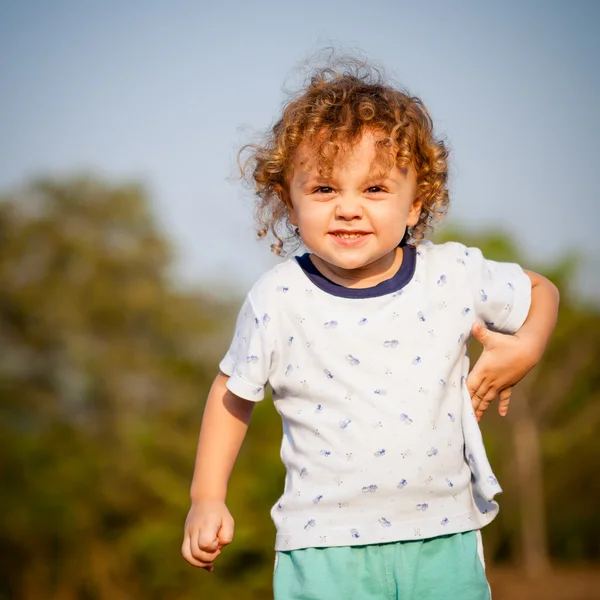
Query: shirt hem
{"points": [[416, 530], [238, 386]]}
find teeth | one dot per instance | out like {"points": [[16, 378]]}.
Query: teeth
{"points": [[349, 236]]}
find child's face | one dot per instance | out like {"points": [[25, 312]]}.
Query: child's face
{"points": [[354, 218]]}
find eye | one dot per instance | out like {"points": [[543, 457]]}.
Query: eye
{"points": [[324, 189], [374, 189]]}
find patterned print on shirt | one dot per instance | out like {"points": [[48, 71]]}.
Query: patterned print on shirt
{"points": [[310, 524]]}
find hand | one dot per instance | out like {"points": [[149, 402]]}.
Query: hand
{"points": [[208, 527], [505, 360]]}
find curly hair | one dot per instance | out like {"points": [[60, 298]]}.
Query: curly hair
{"points": [[331, 113]]}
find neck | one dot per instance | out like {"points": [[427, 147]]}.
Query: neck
{"points": [[366, 276]]}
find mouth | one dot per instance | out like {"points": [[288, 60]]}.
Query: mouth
{"points": [[350, 239], [349, 235]]}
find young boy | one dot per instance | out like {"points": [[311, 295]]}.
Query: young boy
{"points": [[363, 341]]}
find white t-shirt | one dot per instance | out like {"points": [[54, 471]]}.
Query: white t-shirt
{"points": [[380, 442]]}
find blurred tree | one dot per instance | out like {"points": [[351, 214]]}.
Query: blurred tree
{"points": [[102, 365]]}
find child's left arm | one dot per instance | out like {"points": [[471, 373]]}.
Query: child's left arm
{"points": [[506, 359]]}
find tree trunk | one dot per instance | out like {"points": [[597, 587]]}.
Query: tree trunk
{"points": [[528, 459]]}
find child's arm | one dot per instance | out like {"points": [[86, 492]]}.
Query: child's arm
{"points": [[506, 359], [209, 525]]}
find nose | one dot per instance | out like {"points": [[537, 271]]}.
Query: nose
{"points": [[348, 208]]}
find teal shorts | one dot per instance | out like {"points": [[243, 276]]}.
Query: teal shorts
{"points": [[449, 567]]}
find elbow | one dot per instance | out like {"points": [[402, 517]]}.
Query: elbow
{"points": [[544, 283], [556, 293], [553, 291]]}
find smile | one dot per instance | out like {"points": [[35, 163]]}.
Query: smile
{"points": [[348, 235], [350, 239]]}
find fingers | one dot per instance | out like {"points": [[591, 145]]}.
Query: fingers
{"points": [[206, 549], [207, 538], [482, 397], [201, 546], [194, 556], [225, 535], [483, 406], [474, 383], [504, 401], [480, 333]]}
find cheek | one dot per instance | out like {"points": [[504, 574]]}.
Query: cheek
{"points": [[390, 216], [314, 215]]}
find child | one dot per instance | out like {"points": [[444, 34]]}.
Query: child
{"points": [[363, 341]]}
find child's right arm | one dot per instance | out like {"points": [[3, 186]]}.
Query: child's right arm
{"points": [[209, 525]]}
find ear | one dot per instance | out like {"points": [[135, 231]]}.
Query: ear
{"points": [[285, 198], [292, 216], [415, 213]]}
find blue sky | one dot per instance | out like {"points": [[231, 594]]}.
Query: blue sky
{"points": [[165, 92]]}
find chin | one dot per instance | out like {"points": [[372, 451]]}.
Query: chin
{"points": [[347, 263]]}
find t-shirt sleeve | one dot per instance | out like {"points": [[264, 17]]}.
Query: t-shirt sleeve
{"points": [[501, 291], [248, 360]]}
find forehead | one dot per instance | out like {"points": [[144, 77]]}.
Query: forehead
{"points": [[370, 153]]}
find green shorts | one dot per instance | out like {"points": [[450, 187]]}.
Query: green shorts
{"points": [[449, 567]]}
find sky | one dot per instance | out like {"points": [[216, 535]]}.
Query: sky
{"points": [[165, 93]]}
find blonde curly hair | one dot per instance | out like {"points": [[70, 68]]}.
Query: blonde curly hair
{"points": [[332, 113]]}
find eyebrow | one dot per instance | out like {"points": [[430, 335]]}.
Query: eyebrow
{"points": [[310, 179]]}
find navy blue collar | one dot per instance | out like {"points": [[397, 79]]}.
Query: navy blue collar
{"points": [[389, 286]]}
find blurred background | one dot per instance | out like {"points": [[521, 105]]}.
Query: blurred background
{"points": [[127, 245]]}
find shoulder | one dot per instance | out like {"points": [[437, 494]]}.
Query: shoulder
{"points": [[448, 254], [282, 279]]}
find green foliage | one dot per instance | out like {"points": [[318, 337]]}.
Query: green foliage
{"points": [[104, 367]]}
